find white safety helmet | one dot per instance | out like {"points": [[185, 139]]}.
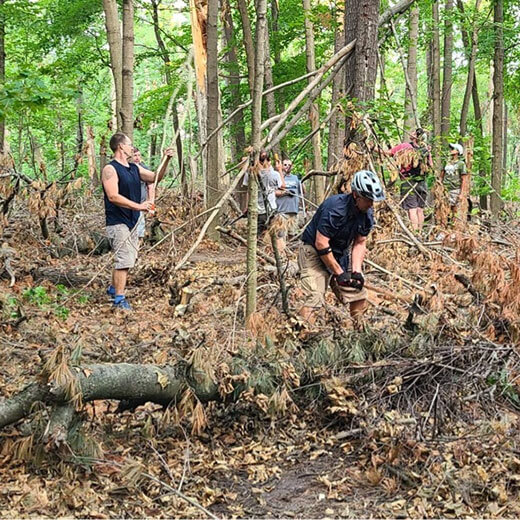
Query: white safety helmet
{"points": [[368, 185], [458, 147]]}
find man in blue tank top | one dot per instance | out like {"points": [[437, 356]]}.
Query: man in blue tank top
{"points": [[122, 190]]}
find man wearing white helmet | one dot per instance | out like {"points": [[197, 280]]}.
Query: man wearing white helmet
{"points": [[334, 245], [455, 177]]}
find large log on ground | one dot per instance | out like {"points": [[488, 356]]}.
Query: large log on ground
{"points": [[136, 384]]}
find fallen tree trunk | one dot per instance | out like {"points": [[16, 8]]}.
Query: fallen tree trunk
{"points": [[136, 384], [57, 276]]}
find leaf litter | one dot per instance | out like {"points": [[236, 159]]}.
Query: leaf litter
{"points": [[415, 417]]}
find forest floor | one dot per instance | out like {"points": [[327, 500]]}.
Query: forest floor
{"points": [[430, 430]]}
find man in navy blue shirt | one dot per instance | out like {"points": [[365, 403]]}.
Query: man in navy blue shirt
{"points": [[122, 192], [334, 247]]}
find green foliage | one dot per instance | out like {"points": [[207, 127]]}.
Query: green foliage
{"points": [[37, 295]]}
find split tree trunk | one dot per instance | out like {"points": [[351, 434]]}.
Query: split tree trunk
{"points": [[410, 101], [127, 92], [314, 114], [256, 138], [199, 17], [498, 110], [447, 78], [213, 101], [115, 46]]}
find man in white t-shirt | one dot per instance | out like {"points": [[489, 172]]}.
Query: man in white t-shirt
{"points": [[270, 181]]}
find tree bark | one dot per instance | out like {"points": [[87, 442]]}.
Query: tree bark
{"points": [[350, 24], [238, 144], [127, 92], [410, 103], [248, 43], [256, 138], [314, 115], [361, 17], [498, 110], [447, 78], [436, 86], [212, 180], [115, 46]]}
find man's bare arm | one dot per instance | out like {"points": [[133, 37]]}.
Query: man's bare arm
{"points": [[149, 176], [359, 250], [111, 186]]}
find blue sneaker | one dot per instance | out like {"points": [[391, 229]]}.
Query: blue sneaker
{"points": [[121, 303], [111, 291]]}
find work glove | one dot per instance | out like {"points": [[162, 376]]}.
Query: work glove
{"points": [[354, 280], [357, 281]]}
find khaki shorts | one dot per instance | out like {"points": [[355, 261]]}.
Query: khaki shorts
{"points": [[315, 280], [125, 245], [290, 227]]}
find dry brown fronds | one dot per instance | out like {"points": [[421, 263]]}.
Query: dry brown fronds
{"points": [[257, 326], [57, 373]]}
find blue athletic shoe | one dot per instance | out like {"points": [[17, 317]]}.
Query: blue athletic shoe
{"points": [[111, 291], [121, 303]]}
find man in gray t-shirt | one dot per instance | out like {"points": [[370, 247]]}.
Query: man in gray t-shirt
{"points": [[288, 200], [146, 193]]}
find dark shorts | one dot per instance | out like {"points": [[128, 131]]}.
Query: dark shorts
{"points": [[413, 194], [262, 223]]}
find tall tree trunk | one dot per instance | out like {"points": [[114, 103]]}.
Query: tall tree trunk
{"points": [[314, 115], [471, 48], [350, 24], [167, 73], [436, 85], [447, 78], [212, 150], [471, 52], [277, 55], [361, 22], [269, 83], [2, 69], [410, 101], [498, 109], [127, 92], [238, 144], [115, 47], [506, 118], [366, 46], [335, 143], [256, 137], [248, 43]]}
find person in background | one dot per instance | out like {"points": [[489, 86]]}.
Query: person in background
{"points": [[413, 160], [270, 181], [455, 178], [147, 193], [288, 202]]}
